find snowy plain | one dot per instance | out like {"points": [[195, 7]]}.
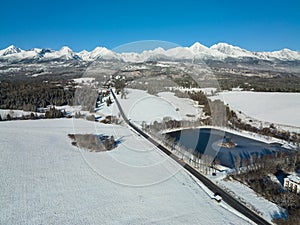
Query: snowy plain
{"points": [[46, 183], [46, 180], [140, 106], [274, 107]]}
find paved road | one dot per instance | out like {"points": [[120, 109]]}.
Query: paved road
{"points": [[208, 183]]}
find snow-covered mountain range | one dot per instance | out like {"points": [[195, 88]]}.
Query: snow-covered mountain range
{"points": [[218, 51]]}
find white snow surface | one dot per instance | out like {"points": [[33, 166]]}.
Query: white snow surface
{"points": [[279, 108], [84, 55], [184, 105], [140, 106], [101, 52], [65, 53], [46, 180], [10, 50], [218, 51], [232, 51]]}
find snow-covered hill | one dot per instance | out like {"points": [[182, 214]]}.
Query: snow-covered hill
{"points": [[218, 51]]}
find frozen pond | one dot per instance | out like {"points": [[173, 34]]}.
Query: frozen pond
{"points": [[207, 140]]}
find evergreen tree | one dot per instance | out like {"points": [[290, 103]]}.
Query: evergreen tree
{"points": [[8, 117], [32, 116], [108, 101]]}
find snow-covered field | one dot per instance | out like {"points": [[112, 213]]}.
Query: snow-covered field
{"points": [[46, 180], [140, 106], [279, 108]]}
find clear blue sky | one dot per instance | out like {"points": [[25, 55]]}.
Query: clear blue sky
{"points": [[258, 25]]}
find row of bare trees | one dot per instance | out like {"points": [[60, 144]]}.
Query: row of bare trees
{"points": [[204, 163], [269, 163]]}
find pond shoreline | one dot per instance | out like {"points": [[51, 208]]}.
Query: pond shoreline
{"points": [[247, 134], [209, 140]]}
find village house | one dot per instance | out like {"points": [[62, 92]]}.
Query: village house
{"points": [[292, 182]]}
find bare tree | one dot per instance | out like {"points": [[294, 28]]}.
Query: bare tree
{"points": [[237, 164]]}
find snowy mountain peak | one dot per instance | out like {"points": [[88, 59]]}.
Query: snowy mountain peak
{"points": [[218, 51], [99, 50], [10, 50], [83, 52], [197, 47], [84, 55], [226, 48], [231, 50], [66, 49], [102, 53], [64, 53], [158, 50], [287, 50], [35, 50], [284, 54]]}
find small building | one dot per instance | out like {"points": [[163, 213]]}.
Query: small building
{"points": [[292, 182]]}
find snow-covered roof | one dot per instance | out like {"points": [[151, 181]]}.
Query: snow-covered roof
{"points": [[222, 168], [294, 178]]}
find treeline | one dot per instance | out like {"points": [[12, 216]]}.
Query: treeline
{"points": [[261, 84], [271, 131], [185, 81], [49, 114], [54, 113], [204, 163], [31, 116], [30, 96], [215, 110]]}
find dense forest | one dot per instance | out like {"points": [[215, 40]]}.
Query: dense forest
{"points": [[261, 84], [30, 96]]}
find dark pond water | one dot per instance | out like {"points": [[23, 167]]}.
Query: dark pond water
{"points": [[206, 140]]}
